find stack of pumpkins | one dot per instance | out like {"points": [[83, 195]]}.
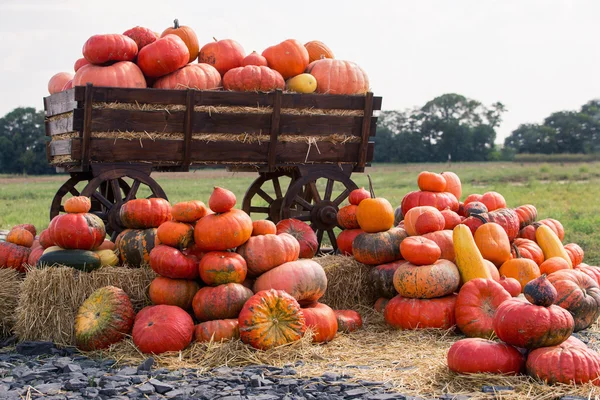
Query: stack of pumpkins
{"points": [[141, 58], [20, 248], [76, 239]]}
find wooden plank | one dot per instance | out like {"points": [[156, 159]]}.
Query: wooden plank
{"points": [[60, 147], [362, 153], [108, 120], [275, 125], [188, 122], [231, 123], [221, 97], [322, 125], [87, 127], [59, 103], [325, 101], [58, 126], [133, 95], [110, 150]]}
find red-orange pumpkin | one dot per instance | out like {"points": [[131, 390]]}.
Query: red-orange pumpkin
{"points": [[162, 328], [346, 217], [445, 242], [553, 264], [579, 294], [419, 250], [304, 279], [493, 200], [511, 285], [58, 81], [423, 219], [27, 227], [45, 239], [527, 215], [476, 305], [192, 76], [77, 231], [80, 62], [165, 55], [221, 200], [505, 217], [404, 313], [338, 76], [265, 252], [431, 181], [590, 270], [254, 59], [188, 36], [222, 54], [253, 78], [20, 236], [378, 248], [124, 74], [575, 253], [172, 263], [188, 211], [453, 184], [348, 320], [426, 281], [322, 320], [271, 318], [220, 267], [451, 219], [220, 302], [528, 249], [13, 256], [522, 324], [34, 256], [380, 304], [78, 204], [317, 50], [345, 240], [173, 292], [175, 234], [303, 234], [473, 197], [528, 232], [439, 200], [145, 213], [289, 58], [476, 355], [358, 195], [223, 231], [141, 36], [263, 227], [100, 49], [217, 330]]}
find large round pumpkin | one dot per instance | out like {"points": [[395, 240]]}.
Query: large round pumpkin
{"points": [[135, 246], [476, 305], [124, 74], [303, 234], [317, 50], [14, 256], [579, 294], [104, 318], [223, 231], [220, 302], [476, 355], [322, 320], [192, 76], [169, 262], [289, 58], [338, 76], [100, 49], [188, 36], [173, 292], [222, 54], [165, 55], [522, 324], [426, 281], [404, 313], [77, 231], [220, 267], [58, 81], [265, 252], [304, 279], [271, 318], [145, 213], [378, 248], [162, 328], [217, 330], [253, 78]]}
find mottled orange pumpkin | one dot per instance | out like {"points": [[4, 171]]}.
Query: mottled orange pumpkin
{"points": [[346, 217], [579, 294], [172, 263], [20, 236], [265, 252], [378, 248], [217, 330], [135, 246], [78, 204], [188, 211], [173, 292], [348, 320], [220, 302], [522, 269], [445, 241], [176, 234], [220, 267], [145, 213], [493, 200], [527, 215], [14, 256], [253, 78], [271, 318], [431, 181], [404, 313], [322, 320], [223, 231], [426, 281], [338, 77], [263, 227]]}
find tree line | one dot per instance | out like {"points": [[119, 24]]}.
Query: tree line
{"points": [[450, 126]]}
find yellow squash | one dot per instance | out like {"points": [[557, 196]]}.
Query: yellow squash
{"points": [[51, 249], [303, 83], [107, 257], [551, 244], [469, 260]]}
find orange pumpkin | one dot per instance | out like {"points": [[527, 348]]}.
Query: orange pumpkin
{"points": [[374, 214], [404, 313], [575, 253], [265, 252], [58, 81], [220, 302], [322, 320], [254, 59], [78, 204], [166, 55], [553, 264], [20, 236], [188, 211], [338, 77], [220, 267], [451, 219], [426, 281], [431, 181], [192, 76], [476, 355], [453, 184], [317, 50], [493, 200], [175, 234], [188, 36], [123, 74], [527, 215], [345, 240], [346, 217], [492, 241], [528, 249], [289, 58], [145, 213], [222, 231], [522, 269], [221, 200], [222, 54], [424, 219], [217, 330], [174, 292], [263, 227], [445, 242], [172, 263], [419, 250]]}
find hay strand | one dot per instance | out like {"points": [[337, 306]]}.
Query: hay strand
{"points": [[10, 283], [50, 298]]}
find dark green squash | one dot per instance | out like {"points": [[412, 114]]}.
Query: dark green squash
{"points": [[82, 260], [135, 245]]}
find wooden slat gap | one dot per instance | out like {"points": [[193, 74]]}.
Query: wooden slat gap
{"points": [[275, 119]]}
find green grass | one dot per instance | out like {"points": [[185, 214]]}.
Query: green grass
{"points": [[566, 192]]}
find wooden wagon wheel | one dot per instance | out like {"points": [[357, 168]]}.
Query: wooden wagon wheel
{"points": [[314, 198], [107, 190], [267, 189]]}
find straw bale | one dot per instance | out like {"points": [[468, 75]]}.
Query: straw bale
{"points": [[50, 298], [348, 284], [10, 286]]}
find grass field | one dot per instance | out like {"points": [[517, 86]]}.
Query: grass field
{"points": [[568, 192]]}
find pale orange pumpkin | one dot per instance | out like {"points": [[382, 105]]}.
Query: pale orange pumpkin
{"points": [[317, 50], [338, 76], [289, 58]]}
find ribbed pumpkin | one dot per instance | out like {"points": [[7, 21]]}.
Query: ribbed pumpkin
{"points": [[124, 74], [162, 328], [271, 318], [493, 200], [265, 252], [553, 264], [192, 76], [188, 211], [403, 313], [304, 279], [165, 55], [476, 356], [381, 278], [476, 305], [453, 184], [346, 217], [522, 324], [222, 54], [263, 227], [590, 270], [254, 59], [172, 263], [575, 253], [439, 200], [338, 76], [303, 233], [78, 204], [426, 281], [135, 246], [348, 320], [378, 248], [445, 242], [289, 58], [222, 231], [423, 219], [527, 249], [220, 302], [528, 232], [188, 36], [77, 231], [145, 213], [220, 267], [99, 49], [253, 78], [527, 215], [322, 320], [13, 256], [20, 236], [175, 234], [521, 269], [507, 218], [317, 50], [173, 292], [217, 330], [579, 294], [492, 241], [103, 319]]}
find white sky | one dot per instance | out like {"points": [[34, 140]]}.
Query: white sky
{"points": [[535, 56]]}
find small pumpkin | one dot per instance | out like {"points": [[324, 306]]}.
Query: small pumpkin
{"points": [[263, 227], [346, 217], [145, 213], [188, 211], [78, 204], [220, 267], [20, 236], [419, 250], [254, 59], [58, 81], [380, 304], [445, 242], [540, 292], [221, 200], [477, 356], [302, 83], [162, 328], [173, 292], [217, 330], [322, 320], [317, 50], [375, 214], [528, 249], [358, 195], [140, 35], [527, 215], [422, 220], [188, 36], [345, 239], [348, 320], [220, 302], [431, 181], [505, 217], [107, 257], [175, 234], [289, 58], [511, 285], [521, 269]]}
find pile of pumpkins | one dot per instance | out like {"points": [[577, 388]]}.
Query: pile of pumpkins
{"points": [[141, 58], [439, 263]]}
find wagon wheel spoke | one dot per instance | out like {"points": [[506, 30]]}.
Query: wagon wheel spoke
{"points": [[103, 200], [133, 191], [303, 217], [277, 187], [74, 191], [264, 195], [341, 197], [264, 210], [116, 191], [100, 214], [61, 208], [329, 189], [305, 204], [332, 239], [315, 192], [319, 235]]}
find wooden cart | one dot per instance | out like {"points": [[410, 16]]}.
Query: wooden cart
{"points": [[111, 139]]}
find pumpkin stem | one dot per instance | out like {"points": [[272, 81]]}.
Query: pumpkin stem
{"points": [[517, 252], [371, 191], [480, 217], [215, 39], [176, 23]]}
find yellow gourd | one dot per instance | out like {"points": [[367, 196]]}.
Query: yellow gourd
{"points": [[551, 244], [469, 260], [303, 83], [107, 257], [51, 249]]}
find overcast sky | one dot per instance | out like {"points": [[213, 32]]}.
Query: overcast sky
{"points": [[535, 56]]}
